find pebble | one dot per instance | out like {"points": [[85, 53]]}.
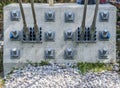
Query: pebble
{"points": [[116, 67], [60, 76]]}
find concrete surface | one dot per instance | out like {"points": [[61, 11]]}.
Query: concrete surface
{"points": [[85, 52]]}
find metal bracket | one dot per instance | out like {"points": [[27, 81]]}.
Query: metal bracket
{"points": [[104, 16], [15, 53], [69, 17], [103, 54], [68, 35], [69, 53], [49, 53], [15, 35], [50, 36], [104, 35], [50, 16], [15, 15]]}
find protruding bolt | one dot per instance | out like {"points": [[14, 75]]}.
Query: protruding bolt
{"points": [[49, 51], [15, 34], [69, 33], [104, 51], [105, 33], [69, 51], [69, 15], [105, 14], [15, 14], [14, 51], [49, 33], [50, 14]]}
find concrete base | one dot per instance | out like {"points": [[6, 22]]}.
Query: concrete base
{"points": [[84, 52]]}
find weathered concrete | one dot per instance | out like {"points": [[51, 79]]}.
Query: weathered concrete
{"points": [[85, 52]]}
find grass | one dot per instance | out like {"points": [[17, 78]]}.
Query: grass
{"points": [[93, 67], [83, 67], [42, 63], [14, 68]]}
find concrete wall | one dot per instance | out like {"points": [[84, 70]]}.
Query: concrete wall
{"points": [[84, 52]]}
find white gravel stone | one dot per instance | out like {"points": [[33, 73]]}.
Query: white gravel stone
{"points": [[116, 67], [55, 76]]}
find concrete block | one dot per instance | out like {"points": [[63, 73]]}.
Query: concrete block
{"points": [[34, 51]]}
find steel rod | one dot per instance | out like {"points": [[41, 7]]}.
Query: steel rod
{"points": [[93, 26], [25, 28], [34, 16], [84, 15]]}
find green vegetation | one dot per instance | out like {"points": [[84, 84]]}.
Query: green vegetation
{"points": [[118, 31], [42, 63], [118, 14], [93, 67], [29, 62], [12, 70], [83, 67], [118, 34]]}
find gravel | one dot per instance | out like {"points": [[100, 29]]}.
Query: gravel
{"points": [[55, 76]]}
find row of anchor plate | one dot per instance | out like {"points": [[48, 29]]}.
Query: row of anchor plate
{"points": [[49, 53], [78, 35], [50, 16]]}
